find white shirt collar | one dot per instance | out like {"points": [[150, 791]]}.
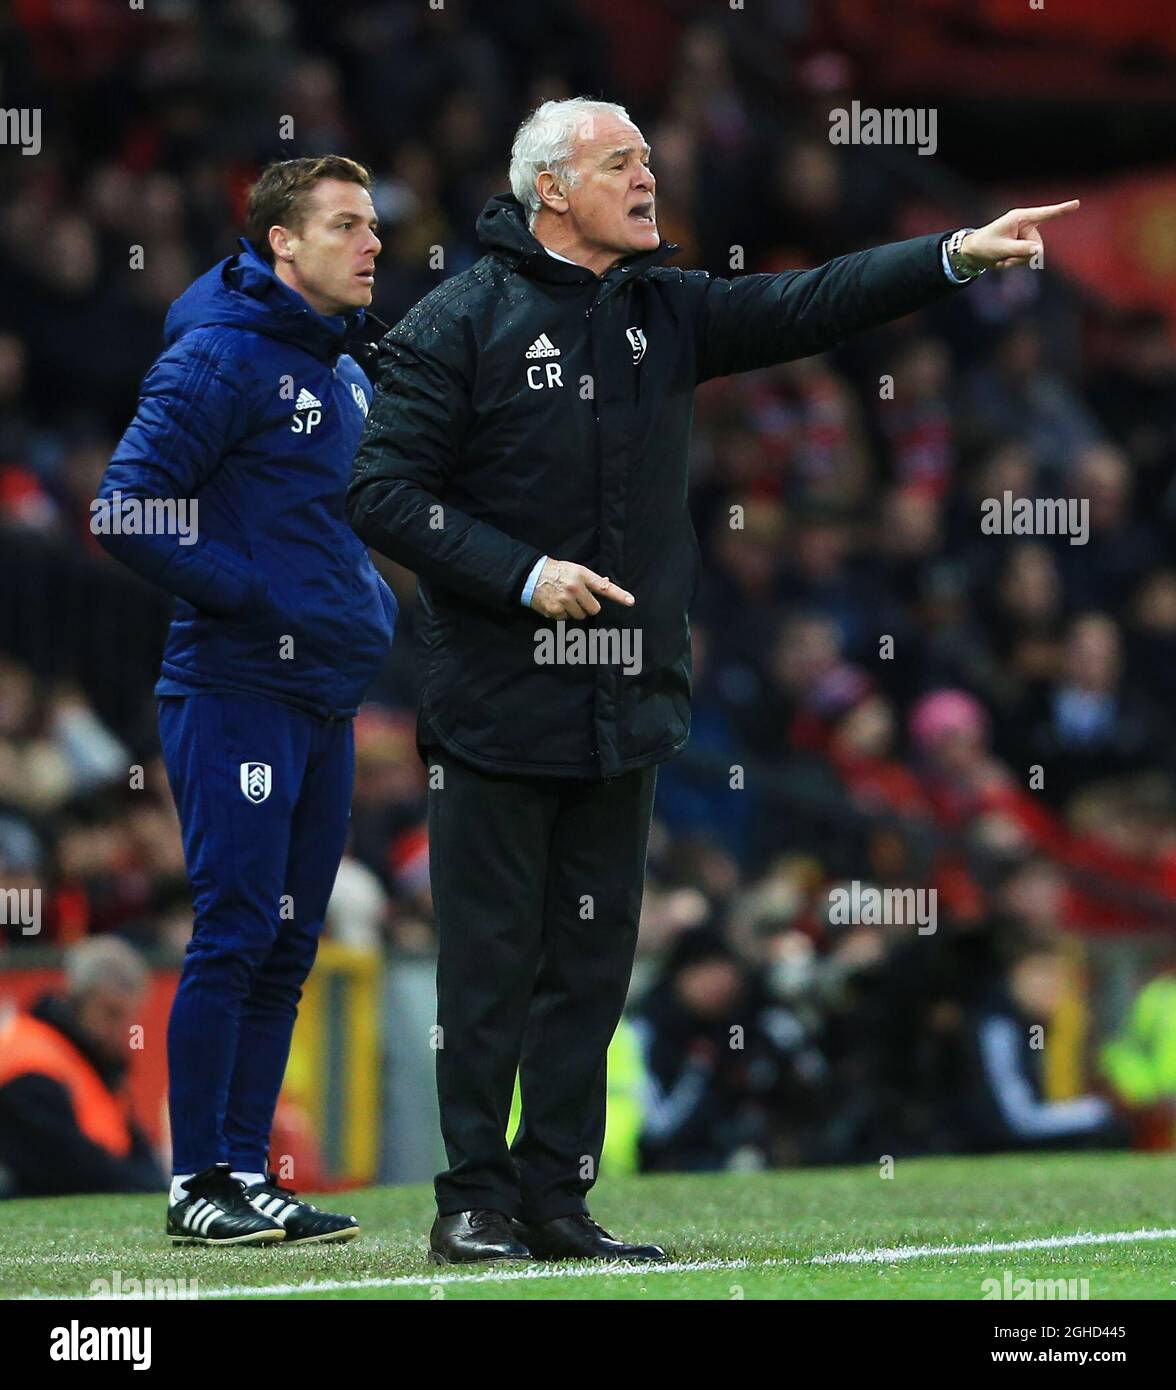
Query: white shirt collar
{"points": [[558, 257]]}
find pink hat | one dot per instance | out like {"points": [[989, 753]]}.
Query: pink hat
{"points": [[945, 712]]}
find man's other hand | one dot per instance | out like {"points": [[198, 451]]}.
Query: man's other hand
{"points": [[567, 590]]}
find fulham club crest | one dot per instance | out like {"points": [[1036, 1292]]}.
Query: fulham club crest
{"points": [[256, 781]]}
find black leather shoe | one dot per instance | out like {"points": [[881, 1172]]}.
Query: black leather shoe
{"points": [[467, 1236], [580, 1238]]}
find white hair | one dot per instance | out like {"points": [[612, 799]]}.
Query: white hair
{"points": [[547, 140], [102, 961]]}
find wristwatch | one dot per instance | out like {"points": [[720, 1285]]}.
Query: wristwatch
{"points": [[962, 265]]}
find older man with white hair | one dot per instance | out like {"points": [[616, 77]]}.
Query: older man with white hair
{"points": [[526, 455], [65, 1117]]}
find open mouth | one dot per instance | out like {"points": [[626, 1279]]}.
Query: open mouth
{"points": [[643, 213]]}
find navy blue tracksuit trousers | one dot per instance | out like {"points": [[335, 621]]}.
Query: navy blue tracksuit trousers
{"points": [[264, 795]]}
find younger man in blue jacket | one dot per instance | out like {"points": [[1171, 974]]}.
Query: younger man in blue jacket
{"points": [[228, 489]]}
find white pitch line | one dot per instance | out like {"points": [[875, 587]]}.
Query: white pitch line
{"points": [[885, 1255], [989, 1247], [494, 1276]]}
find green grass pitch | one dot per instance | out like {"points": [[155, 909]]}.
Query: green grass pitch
{"points": [[801, 1234]]}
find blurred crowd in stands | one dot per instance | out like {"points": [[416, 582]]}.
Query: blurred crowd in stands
{"points": [[882, 692]]}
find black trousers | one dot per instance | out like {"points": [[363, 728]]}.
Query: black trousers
{"points": [[537, 886]]}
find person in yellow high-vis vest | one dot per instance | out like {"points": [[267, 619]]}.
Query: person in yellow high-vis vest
{"points": [[624, 1104], [1140, 1061]]}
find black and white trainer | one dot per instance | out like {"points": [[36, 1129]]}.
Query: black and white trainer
{"points": [[302, 1222], [216, 1211]]}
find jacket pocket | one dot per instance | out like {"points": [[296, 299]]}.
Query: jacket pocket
{"points": [[231, 585]]}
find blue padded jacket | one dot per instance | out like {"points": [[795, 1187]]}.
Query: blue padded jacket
{"points": [[254, 411]]}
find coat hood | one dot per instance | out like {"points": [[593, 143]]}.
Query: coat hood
{"points": [[243, 292], [503, 231]]}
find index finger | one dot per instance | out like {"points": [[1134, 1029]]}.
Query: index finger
{"points": [[607, 589], [1051, 210]]}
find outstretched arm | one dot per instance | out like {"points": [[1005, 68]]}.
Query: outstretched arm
{"points": [[759, 320]]}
